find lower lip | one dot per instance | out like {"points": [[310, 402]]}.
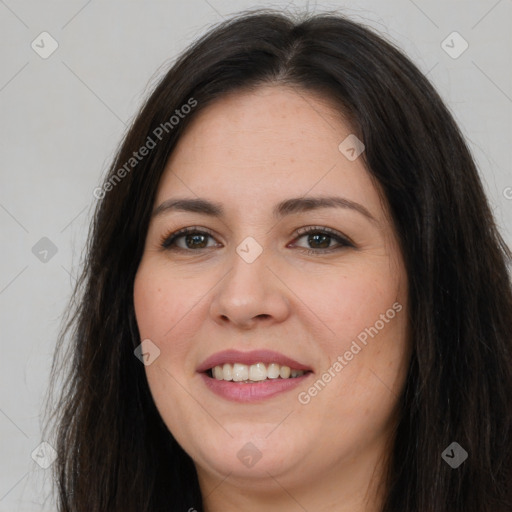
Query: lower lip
{"points": [[257, 391]]}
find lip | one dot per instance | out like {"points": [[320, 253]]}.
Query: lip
{"points": [[248, 358], [251, 392]]}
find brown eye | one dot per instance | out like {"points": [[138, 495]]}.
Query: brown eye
{"points": [[192, 237], [319, 240]]}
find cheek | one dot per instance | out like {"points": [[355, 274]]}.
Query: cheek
{"points": [[159, 305], [351, 299], [170, 309], [364, 317], [161, 300], [145, 300]]}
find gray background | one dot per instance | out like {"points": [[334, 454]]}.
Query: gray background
{"points": [[62, 118]]}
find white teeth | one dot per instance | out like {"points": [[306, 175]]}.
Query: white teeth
{"points": [[257, 372], [273, 371], [284, 372], [238, 372], [227, 372]]}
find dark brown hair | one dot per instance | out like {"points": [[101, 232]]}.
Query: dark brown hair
{"points": [[114, 451]]}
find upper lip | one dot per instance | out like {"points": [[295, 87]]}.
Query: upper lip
{"points": [[248, 358]]}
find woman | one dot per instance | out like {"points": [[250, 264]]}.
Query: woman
{"points": [[294, 242]]}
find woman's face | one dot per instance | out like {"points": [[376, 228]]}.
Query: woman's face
{"points": [[250, 277]]}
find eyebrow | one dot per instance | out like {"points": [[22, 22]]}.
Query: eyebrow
{"points": [[280, 210]]}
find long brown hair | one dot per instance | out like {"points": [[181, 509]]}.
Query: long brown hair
{"points": [[114, 451]]}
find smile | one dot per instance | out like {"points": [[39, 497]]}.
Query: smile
{"points": [[239, 372], [251, 376]]}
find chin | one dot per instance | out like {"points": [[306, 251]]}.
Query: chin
{"points": [[249, 457]]}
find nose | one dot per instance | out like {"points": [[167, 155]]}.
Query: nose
{"points": [[249, 294]]}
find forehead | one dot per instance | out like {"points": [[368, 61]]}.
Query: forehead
{"points": [[286, 121], [266, 144]]}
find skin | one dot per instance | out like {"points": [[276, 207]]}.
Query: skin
{"points": [[249, 151]]}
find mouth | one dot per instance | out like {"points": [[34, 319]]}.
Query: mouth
{"points": [[251, 376]]}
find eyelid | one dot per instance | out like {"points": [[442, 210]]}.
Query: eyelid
{"points": [[171, 236], [324, 229]]}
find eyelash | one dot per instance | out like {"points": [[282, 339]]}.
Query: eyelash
{"points": [[168, 241]]}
